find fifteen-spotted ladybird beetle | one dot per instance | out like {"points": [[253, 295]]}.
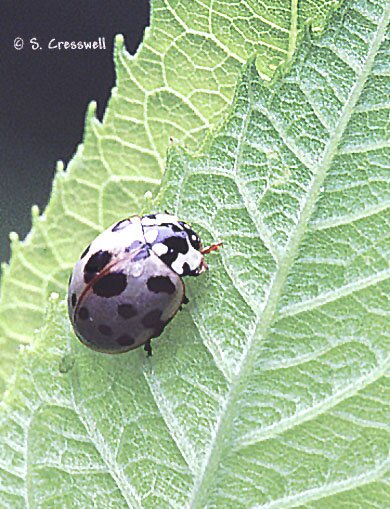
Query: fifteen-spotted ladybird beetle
{"points": [[128, 284]]}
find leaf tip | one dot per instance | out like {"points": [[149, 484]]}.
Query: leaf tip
{"points": [[60, 167], [13, 237], [119, 43], [91, 110], [34, 212]]}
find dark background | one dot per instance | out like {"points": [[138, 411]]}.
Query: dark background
{"points": [[44, 94]]}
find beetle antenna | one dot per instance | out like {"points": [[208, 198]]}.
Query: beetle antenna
{"points": [[213, 247]]}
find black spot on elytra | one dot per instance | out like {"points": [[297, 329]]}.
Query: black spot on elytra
{"points": [[126, 311], [98, 261], [125, 340], [105, 329], [85, 251], [83, 313], [110, 285], [96, 264], [152, 319], [73, 299], [88, 276], [158, 329], [161, 284]]}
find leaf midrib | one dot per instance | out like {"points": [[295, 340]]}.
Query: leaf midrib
{"points": [[220, 443]]}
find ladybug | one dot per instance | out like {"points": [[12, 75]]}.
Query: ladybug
{"points": [[127, 284]]}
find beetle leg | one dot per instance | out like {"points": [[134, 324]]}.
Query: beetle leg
{"points": [[148, 348]]}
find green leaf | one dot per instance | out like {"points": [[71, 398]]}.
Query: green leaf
{"points": [[178, 85], [269, 389]]}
